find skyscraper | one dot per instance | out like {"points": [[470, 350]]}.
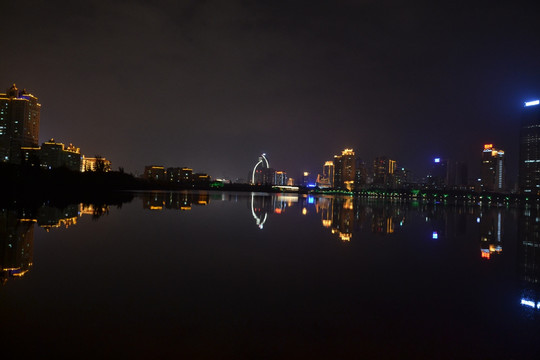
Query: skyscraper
{"points": [[383, 171], [493, 169], [529, 149], [344, 170], [19, 123], [326, 179]]}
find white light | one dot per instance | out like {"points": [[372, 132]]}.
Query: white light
{"points": [[528, 303], [478, 220], [532, 103]]}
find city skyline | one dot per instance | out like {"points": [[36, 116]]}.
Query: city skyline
{"points": [[211, 85]]}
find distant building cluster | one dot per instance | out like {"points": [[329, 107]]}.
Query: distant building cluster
{"points": [[19, 136], [181, 176], [350, 173]]}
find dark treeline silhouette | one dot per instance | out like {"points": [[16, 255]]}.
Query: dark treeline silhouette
{"points": [[29, 184]]}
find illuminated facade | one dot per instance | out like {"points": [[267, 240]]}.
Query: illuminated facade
{"points": [[99, 164], [180, 175], [52, 155], [493, 169], [344, 170], [383, 172], [280, 178], [19, 123], [529, 149], [154, 172], [326, 179]]}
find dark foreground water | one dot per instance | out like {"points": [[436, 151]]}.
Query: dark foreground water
{"points": [[221, 275]]}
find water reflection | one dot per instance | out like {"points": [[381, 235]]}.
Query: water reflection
{"points": [[16, 245], [318, 266], [17, 232], [529, 258], [491, 231], [343, 217], [174, 200]]}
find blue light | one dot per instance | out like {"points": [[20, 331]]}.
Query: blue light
{"points": [[532, 103], [529, 303], [311, 200], [435, 235], [311, 185], [437, 160]]}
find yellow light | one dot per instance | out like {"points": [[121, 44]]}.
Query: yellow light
{"points": [[345, 237], [488, 146], [304, 211], [156, 207]]}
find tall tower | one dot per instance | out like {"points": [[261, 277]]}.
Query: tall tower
{"points": [[344, 169], [493, 169], [261, 173], [19, 123], [529, 149]]}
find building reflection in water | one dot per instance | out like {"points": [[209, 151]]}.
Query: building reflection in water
{"points": [[529, 258], [345, 215], [174, 200], [16, 244], [446, 224], [262, 205], [17, 232], [491, 231]]}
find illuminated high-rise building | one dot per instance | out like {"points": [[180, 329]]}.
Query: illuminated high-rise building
{"points": [[383, 171], [493, 169], [326, 179], [361, 175], [529, 149], [281, 178], [19, 123], [344, 170]]}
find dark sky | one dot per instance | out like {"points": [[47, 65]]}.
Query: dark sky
{"points": [[212, 84]]}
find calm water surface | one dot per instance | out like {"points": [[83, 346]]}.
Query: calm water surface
{"points": [[224, 275]]}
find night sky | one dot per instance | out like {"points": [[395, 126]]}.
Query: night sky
{"points": [[212, 84]]}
